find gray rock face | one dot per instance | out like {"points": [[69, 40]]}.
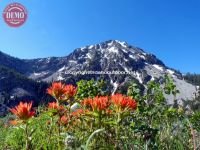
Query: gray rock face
{"points": [[187, 91]]}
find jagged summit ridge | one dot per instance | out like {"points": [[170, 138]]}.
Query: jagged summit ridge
{"points": [[105, 56]]}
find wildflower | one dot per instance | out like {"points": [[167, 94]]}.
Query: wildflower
{"points": [[123, 102], [23, 111], [63, 120], [61, 110], [87, 102], [61, 91], [57, 109], [53, 105], [77, 113], [71, 90], [97, 103]]}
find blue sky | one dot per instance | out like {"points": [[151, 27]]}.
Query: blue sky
{"points": [[170, 29]]}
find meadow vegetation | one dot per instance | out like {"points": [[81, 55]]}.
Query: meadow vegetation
{"points": [[87, 117]]}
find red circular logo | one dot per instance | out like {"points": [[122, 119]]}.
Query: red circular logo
{"points": [[15, 14]]}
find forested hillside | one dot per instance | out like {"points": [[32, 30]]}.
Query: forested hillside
{"points": [[193, 78]]}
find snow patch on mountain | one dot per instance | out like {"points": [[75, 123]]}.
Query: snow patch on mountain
{"points": [[91, 46], [125, 59], [72, 61], [138, 76], [141, 56], [89, 56], [123, 44], [60, 78], [39, 74], [48, 59], [110, 43], [113, 50], [82, 48], [170, 71], [61, 69], [152, 78], [115, 86], [132, 56], [124, 50], [144, 54], [158, 67]]}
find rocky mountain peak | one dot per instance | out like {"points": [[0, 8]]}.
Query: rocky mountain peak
{"points": [[111, 55]]}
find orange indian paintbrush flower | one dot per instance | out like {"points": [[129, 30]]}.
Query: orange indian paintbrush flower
{"points": [[61, 91], [53, 105], [77, 113], [123, 102], [23, 110], [64, 120], [97, 103], [59, 109], [71, 90]]}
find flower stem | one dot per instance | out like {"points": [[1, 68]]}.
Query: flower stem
{"points": [[59, 131], [50, 130], [27, 139], [118, 128], [99, 120]]}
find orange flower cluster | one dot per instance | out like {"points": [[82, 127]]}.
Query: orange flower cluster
{"points": [[53, 105], [59, 109], [61, 112], [97, 103], [123, 102], [23, 111], [118, 100], [61, 91], [71, 90], [75, 116], [78, 113], [63, 120]]}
